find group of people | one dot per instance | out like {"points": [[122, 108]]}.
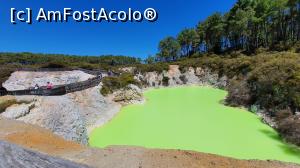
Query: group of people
{"points": [[49, 86]]}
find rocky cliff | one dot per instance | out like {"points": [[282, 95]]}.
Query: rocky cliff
{"points": [[174, 77]]}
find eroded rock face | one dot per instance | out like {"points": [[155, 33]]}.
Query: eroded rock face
{"points": [[71, 116], [22, 80], [174, 75], [60, 114], [18, 111], [153, 79], [189, 76], [95, 108], [222, 82], [132, 94]]}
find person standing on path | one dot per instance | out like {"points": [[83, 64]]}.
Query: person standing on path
{"points": [[49, 85]]}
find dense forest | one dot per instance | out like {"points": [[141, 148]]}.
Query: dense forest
{"points": [[66, 60], [248, 26]]}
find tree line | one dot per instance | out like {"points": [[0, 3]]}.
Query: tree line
{"points": [[249, 25], [65, 60]]}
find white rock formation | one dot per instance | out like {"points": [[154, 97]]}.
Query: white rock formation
{"points": [[128, 69], [71, 116], [189, 76], [132, 94], [174, 75], [153, 79], [21, 80], [18, 111]]}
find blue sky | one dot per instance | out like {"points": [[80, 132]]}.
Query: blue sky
{"points": [[131, 39]]}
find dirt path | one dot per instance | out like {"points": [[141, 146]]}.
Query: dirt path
{"points": [[44, 141]]}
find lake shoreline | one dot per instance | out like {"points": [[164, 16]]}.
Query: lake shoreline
{"points": [[147, 90]]}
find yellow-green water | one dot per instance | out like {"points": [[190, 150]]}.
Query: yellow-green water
{"points": [[193, 118]]}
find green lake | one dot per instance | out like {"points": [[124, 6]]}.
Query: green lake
{"points": [[194, 118]]}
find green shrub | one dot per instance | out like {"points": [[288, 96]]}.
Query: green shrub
{"points": [[289, 129], [165, 81], [238, 93], [111, 84], [296, 48], [6, 102], [183, 79], [88, 66], [254, 108], [105, 90], [183, 69], [158, 67], [5, 72], [283, 114], [280, 46], [55, 65], [275, 83]]}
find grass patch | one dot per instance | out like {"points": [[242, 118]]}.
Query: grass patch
{"points": [[5, 102]]}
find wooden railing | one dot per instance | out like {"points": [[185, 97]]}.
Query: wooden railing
{"points": [[40, 92], [56, 90], [74, 87], [61, 89], [3, 92]]}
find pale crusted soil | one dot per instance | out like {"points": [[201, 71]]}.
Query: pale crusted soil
{"points": [[72, 116], [21, 80]]}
